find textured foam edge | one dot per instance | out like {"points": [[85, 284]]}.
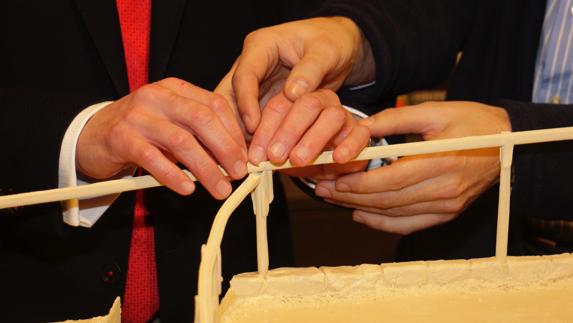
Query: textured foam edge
{"points": [[487, 272], [114, 315]]}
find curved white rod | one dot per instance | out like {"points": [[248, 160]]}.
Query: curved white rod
{"points": [[209, 285]]}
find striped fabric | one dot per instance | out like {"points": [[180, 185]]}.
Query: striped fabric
{"points": [[554, 66]]}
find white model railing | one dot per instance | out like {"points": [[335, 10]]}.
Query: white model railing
{"points": [[209, 285], [259, 185]]}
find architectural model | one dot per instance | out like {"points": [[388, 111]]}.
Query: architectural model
{"points": [[498, 289]]}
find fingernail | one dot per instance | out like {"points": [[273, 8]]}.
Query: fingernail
{"points": [[188, 187], [240, 168], [322, 192], [278, 150], [246, 120], [357, 218], [367, 121], [302, 153], [343, 152], [342, 187], [224, 188], [299, 88], [257, 154]]}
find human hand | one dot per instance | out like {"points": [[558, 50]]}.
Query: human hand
{"points": [[421, 191], [296, 58], [159, 125], [301, 130]]}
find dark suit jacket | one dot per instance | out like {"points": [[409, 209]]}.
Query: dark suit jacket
{"points": [[56, 58], [415, 43]]}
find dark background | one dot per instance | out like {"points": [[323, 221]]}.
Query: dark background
{"points": [[325, 235]]}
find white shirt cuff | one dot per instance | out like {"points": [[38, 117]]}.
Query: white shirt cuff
{"points": [[87, 211]]}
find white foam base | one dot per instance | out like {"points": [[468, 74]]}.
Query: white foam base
{"points": [[521, 289]]}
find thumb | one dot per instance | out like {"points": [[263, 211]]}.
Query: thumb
{"points": [[310, 72], [225, 89]]}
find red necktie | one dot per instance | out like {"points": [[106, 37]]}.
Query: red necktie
{"points": [[141, 298]]}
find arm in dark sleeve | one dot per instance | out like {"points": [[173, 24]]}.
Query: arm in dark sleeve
{"points": [[32, 125], [414, 42], [543, 173], [276, 12]]}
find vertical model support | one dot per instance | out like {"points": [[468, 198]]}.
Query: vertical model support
{"points": [[262, 196], [506, 157], [210, 278], [207, 302]]}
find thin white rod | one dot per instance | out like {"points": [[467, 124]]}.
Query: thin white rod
{"points": [[205, 291], [434, 146], [506, 154], [143, 182]]}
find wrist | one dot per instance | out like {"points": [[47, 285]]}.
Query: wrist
{"points": [[87, 151]]}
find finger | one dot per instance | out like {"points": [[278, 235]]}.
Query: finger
{"points": [[352, 144], [335, 171], [418, 119], [327, 190], [301, 116], [452, 206], [256, 61], [317, 137], [273, 115], [349, 124], [215, 101], [326, 172], [230, 121], [403, 225], [147, 156], [309, 73], [402, 173], [363, 208], [225, 88], [435, 189], [188, 151], [273, 85], [202, 121]]}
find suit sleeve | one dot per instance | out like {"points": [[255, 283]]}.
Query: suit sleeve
{"points": [[415, 42], [542, 172], [32, 126]]}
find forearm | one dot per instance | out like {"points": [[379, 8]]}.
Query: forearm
{"points": [[531, 116], [32, 126], [414, 43], [542, 172], [38, 154]]}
